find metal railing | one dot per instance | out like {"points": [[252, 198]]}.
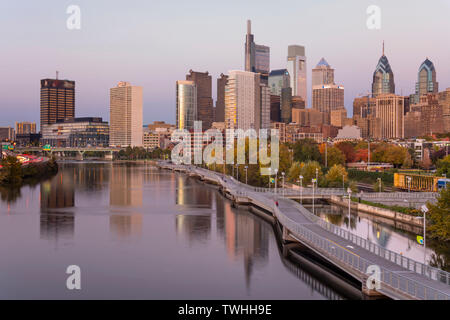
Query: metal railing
{"points": [[393, 279], [400, 195], [359, 265]]}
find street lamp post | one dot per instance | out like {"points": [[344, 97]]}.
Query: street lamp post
{"points": [[349, 191], [343, 184], [276, 178], [313, 181], [246, 175], [270, 176], [237, 172], [424, 211], [408, 178], [283, 183], [379, 184], [301, 189]]}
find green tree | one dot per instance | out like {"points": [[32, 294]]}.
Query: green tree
{"points": [[12, 171], [308, 171], [306, 150], [438, 216], [443, 166], [334, 176], [335, 156]]}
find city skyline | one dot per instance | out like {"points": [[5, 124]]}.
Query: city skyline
{"points": [[80, 55]]}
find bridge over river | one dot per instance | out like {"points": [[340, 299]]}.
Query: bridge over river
{"points": [[399, 278]]}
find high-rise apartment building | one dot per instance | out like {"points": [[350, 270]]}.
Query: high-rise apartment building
{"points": [[383, 78], [278, 79], [338, 117], [364, 107], [57, 100], [426, 80], [247, 101], [257, 57], [432, 114], [186, 104], [220, 103], [298, 102], [125, 115], [296, 66], [205, 111], [25, 127], [322, 74], [390, 111], [326, 98]]}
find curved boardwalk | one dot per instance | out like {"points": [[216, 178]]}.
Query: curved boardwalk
{"points": [[399, 277]]}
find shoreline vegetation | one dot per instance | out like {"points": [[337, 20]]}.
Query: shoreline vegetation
{"points": [[13, 175]]}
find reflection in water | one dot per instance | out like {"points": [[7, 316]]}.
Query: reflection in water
{"points": [[122, 226], [232, 253], [125, 186], [189, 194], [389, 234], [57, 193]]}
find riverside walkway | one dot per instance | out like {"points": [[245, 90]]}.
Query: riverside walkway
{"points": [[399, 277]]}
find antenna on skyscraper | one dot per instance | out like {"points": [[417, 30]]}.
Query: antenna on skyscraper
{"points": [[57, 73], [383, 47], [249, 26]]}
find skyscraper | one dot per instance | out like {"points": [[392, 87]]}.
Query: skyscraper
{"points": [[220, 103], [186, 104], [247, 101], [383, 77], [278, 79], [390, 111], [57, 100], [286, 105], [322, 74], [328, 97], [203, 82], [125, 115], [426, 80], [257, 57], [296, 66]]}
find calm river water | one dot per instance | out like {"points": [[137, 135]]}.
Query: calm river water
{"points": [[140, 233]]}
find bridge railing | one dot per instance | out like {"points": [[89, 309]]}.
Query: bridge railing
{"points": [[407, 263], [400, 195], [358, 264]]}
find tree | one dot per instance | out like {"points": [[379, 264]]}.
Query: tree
{"points": [[308, 171], [12, 171], [443, 166], [334, 176], [439, 216], [335, 156], [306, 150], [348, 150], [295, 171], [361, 155]]}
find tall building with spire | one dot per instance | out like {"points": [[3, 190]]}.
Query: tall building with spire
{"points": [[426, 80], [296, 66], [257, 57], [383, 77]]}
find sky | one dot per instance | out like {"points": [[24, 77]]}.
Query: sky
{"points": [[155, 43]]}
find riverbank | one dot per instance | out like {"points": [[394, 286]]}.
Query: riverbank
{"points": [[381, 212], [15, 175]]}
